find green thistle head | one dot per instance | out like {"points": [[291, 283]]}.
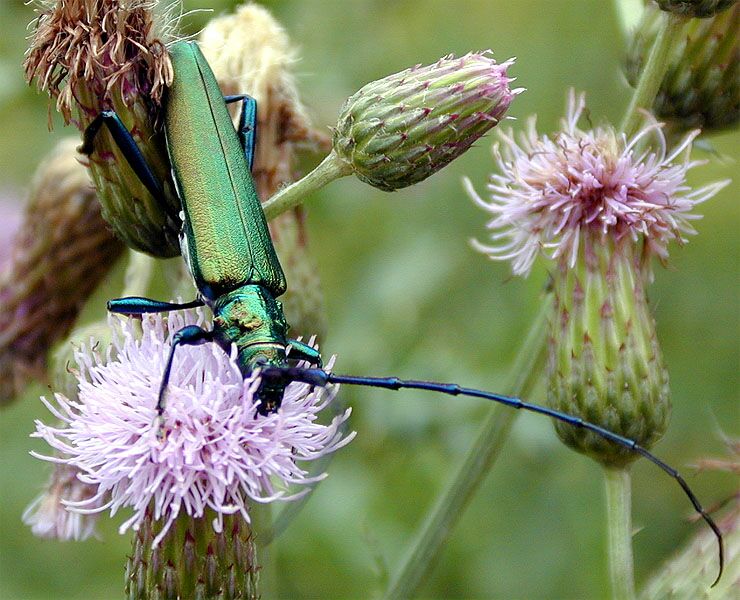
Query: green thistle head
{"points": [[702, 85], [401, 129]]}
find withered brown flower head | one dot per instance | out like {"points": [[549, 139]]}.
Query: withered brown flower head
{"points": [[109, 44], [96, 55], [61, 252]]}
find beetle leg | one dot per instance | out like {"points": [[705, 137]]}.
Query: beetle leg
{"points": [[136, 305], [190, 335], [247, 129], [301, 351], [126, 143]]}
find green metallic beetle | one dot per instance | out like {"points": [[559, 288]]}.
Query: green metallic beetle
{"points": [[225, 240], [227, 246]]}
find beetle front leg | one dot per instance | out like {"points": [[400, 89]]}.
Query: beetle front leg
{"points": [[136, 305], [190, 335]]}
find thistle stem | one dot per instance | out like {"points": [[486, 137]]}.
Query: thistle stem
{"points": [[329, 169], [619, 525], [138, 274], [656, 66], [527, 369]]}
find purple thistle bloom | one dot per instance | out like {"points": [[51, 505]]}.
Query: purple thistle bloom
{"points": [[213, 451], [551, 190]]}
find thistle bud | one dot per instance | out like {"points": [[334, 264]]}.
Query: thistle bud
{"points": [[605, 363], [250, 53], [401, 129], [695, 8], [62, 251], [193, 560], [110, 55], [701, 87]]}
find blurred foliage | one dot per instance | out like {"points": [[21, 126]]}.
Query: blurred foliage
{"points": [[407, 296]]}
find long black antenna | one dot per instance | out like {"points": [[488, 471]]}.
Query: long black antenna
{"points": [[321, 378]]}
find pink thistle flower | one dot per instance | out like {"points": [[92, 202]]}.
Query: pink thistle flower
{"points": [[215, 452], [551, 190]]}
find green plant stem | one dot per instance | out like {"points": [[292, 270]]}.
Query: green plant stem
{"points": [[526, 370], [653, 72], [619, 526], [329, 169]]}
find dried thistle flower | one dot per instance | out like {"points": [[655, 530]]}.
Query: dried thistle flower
{"points": [[95, 55], [48, 516], [401, 129], [61, 252], [251, 53], [601, 210], [701, 87], [212, 451]]}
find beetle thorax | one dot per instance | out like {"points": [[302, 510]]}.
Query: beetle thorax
{"points": [[250, 318]]}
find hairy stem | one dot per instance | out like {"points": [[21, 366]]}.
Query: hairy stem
{"points": [[653, 72], [619, 525], [527, 369]]}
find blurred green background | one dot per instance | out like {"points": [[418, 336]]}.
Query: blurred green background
{"points": [[406, 295]]}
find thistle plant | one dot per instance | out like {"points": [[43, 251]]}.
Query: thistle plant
{"points": [[701, 87], [601, 205]]}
